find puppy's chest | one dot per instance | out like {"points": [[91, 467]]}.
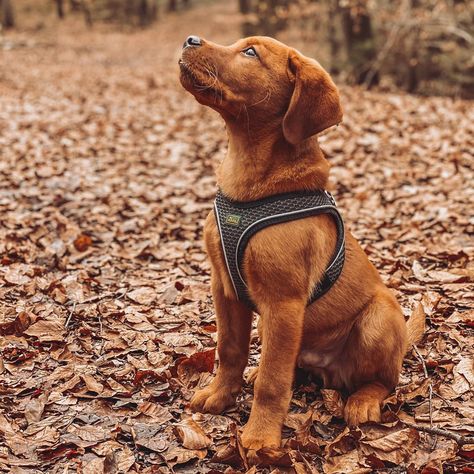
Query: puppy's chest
{"points": [[274, 257]]}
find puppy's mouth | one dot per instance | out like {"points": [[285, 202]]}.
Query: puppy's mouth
{"points": [[198, 80]]}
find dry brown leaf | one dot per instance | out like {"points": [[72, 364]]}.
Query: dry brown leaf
{"points": [[92, 464], [144, 295], [46, 331], [35, 407], [176, 455], [388, 444], [345, 463], [158, 413], [18, 274], [92, 384], [17, 326], [149, 436], [463, 376], [333, 402], [191, 435]]}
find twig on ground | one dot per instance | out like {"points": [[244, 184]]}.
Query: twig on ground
{"points": [[460, 440], [423, 363], [425, 371], [95, 299], [100, 325], [68, 320]]}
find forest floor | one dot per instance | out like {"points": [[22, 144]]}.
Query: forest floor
{"points": [[106, 321]]}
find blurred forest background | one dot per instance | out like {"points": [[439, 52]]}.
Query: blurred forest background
{"points": [[420, 46]]}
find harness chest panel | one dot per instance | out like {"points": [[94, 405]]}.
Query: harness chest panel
{"points": [[239, 221]]}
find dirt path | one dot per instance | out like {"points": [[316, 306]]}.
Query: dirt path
{"points": [[106, 323]]}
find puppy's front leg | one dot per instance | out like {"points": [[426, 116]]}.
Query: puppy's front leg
{"points": [[282, 326], [234, 321]]}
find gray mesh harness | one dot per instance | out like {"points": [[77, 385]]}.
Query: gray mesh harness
{"points": [[239, 221]]}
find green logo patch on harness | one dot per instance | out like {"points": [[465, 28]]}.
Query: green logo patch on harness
{"points": [[233, 219]]}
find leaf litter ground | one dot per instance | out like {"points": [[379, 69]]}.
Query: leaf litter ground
{"points": [[106, 322]]}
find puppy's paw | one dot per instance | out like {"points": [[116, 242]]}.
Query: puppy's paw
{"points": [[360, 409], [212, 400], [256, 438]]}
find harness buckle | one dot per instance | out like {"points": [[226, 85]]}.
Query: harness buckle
{"points": [[330, 196]]}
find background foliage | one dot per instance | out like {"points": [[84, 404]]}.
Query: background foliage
{"points": [[421, 46]]}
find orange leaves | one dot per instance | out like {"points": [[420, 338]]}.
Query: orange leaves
{"points": [[17, 326], [198, 362], [14, 355], [82, 242], [146, 376]]}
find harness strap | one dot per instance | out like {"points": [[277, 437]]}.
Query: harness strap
{"points": [[239, 221]]}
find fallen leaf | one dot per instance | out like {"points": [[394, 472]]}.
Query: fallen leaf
{"points": [[82, 242], [333, 402], [144, 295], [35, 407], [191, 435], [197, 362]]}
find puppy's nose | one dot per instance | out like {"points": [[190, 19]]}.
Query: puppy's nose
{"points": [[192, 41]]}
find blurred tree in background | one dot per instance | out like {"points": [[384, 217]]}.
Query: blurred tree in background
{"points": [[7, 17], [128, 12], [422, 46]]}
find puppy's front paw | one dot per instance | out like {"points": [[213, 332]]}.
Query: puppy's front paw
{"points": [[360, 409], [212, 400], [255, 438]]}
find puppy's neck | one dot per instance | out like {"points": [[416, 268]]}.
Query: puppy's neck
{"points": [[257, 166]]}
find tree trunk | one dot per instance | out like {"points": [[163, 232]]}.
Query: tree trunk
{"points": [[359, 40], [87, 12], [143, 13], [7, 15], [333, 37], [172, 5], [75, 5], [244, 6], [60, 8]]}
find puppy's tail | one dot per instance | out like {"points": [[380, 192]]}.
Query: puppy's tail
{"points": [[416, 325]]}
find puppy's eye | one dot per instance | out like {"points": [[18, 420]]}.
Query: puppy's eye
{"points": [[250, 52]]}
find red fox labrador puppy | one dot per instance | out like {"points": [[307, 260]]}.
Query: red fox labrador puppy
{"points": [[274, 101]]}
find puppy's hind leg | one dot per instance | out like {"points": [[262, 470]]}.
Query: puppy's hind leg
{"points": [[374, 355], [364, 405]]}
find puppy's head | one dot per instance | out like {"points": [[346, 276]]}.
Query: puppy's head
{"points": [[260, 81]]}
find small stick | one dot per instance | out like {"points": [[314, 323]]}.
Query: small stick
{"points": [[68, 320], [425, 371], [461, 440], [100, 325]]}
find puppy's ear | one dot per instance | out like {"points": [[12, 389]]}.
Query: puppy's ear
{"points": [[314, 105]]}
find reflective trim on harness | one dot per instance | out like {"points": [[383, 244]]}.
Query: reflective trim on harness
{"points": [[239, 221], [216, 210]]}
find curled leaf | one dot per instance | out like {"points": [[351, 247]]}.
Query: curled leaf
{"points": [[191, 435]]}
